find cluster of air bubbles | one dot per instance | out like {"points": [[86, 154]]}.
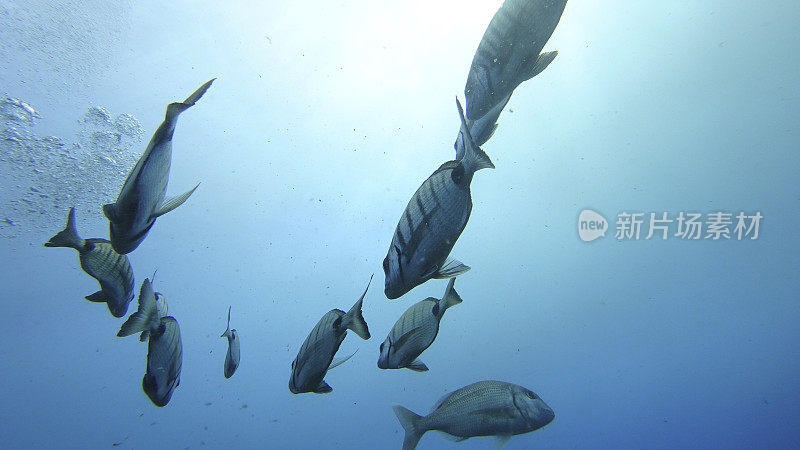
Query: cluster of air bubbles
{"points": [[43, 176]]}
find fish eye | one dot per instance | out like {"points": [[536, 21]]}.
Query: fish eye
{"points": [[381, 348], [386, 265], [531, 395]]}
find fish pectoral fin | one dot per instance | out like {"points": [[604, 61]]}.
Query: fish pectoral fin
{"points": [[501, 441], [111, 213], [451, 268], [539, 64], [339, 362], [418, 366], [322, 388], [173, 202], [97, 297]]}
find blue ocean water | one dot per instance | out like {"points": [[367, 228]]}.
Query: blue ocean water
{"points": [[324, 119]]}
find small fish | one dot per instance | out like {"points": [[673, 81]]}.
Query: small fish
{"points": [[164, 360], [432, 222], [485, 408], [509, 53], [316, 355], [98, 259], [415, 331], [142, 198], [232, 358]]}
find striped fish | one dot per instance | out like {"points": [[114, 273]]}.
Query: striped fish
{"points": [[485, 408], [415, 331], [509, 53], [98, 259], [432, 222], [164, 361], [316, 355], [142, 198], [232, 357]]}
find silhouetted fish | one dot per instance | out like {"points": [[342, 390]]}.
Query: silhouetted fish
{"points": [[432, 222], [485, 408], [164, 360], [315, 356], [232, 357], [98, 259], [509, 53], [141, 199], [415, 331]]}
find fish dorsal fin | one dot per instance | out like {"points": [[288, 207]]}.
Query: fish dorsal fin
{"points": [[338, 362], [441, 401], [173, 202], [450, 269], [401, 341]]}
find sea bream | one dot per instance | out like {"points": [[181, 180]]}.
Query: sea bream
{"points": [[98, 259], [485, 408], [164, 347], [164, 360], [432, 222], [232, 357], [415, 331], [142, 198], [316, 354], [509, 53]]}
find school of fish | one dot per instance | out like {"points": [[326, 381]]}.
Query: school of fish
{"points": [[509, 53]]}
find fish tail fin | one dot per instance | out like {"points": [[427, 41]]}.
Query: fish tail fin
{"points": [[68, 237], [474, 156], [173, 109], [228, 328], [451, 297], [410, 422], [146, 317], [138, 322], [355, 320]]}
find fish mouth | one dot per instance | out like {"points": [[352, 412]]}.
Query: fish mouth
{"points": [[382, 363], [393, 290]]}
